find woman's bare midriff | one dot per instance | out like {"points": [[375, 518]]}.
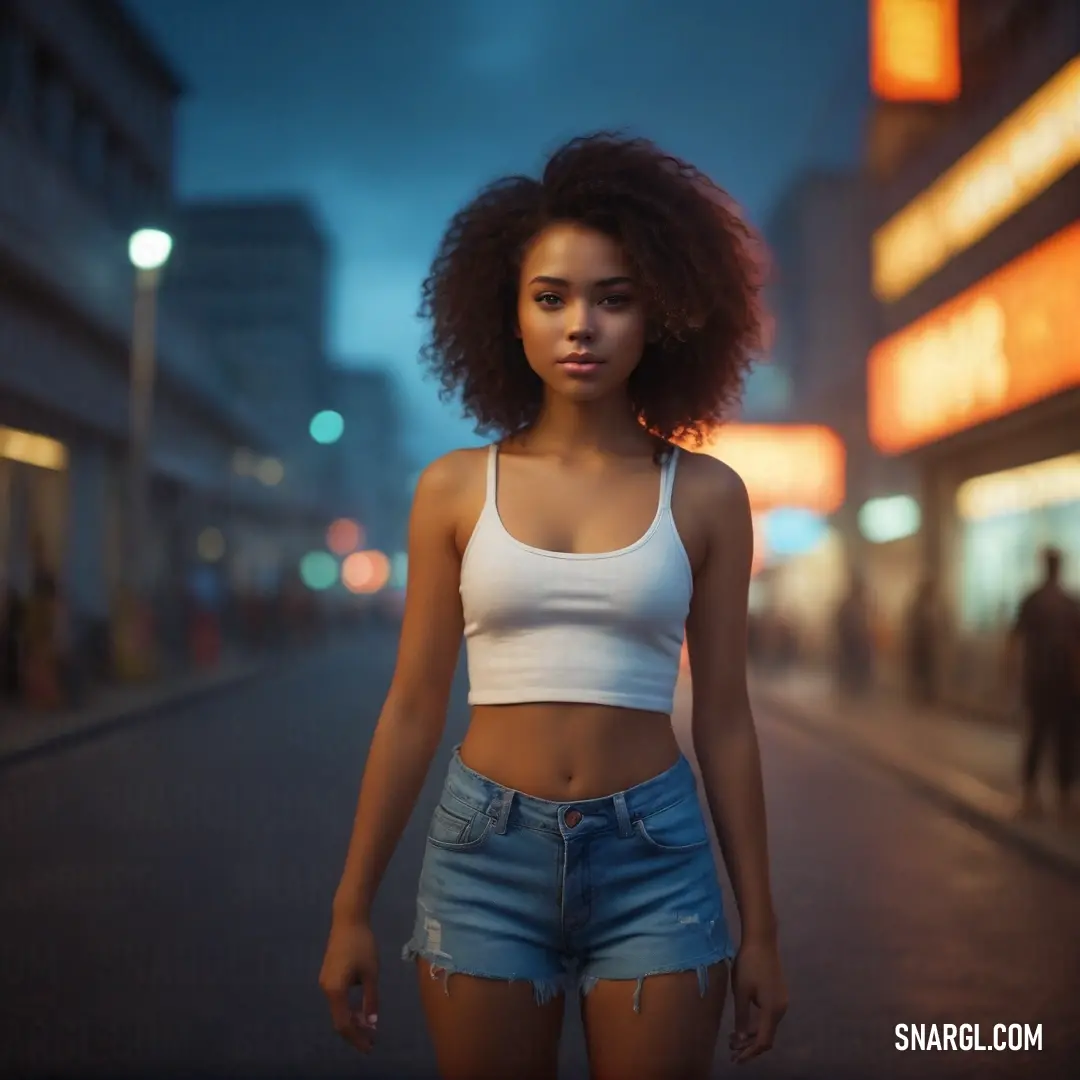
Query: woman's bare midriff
{"points": [[563, 751]]}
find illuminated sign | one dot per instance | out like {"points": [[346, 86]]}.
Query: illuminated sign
{"points": [[1018, 160], [1009, 341], [892, 517], [1014, 491], [799, 466], [32, 449], [915, 50]]}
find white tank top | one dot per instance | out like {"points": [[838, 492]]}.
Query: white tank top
{"points": [[601, 628]]}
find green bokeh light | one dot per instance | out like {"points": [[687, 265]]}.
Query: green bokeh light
{"points": [[327, 427], [318, 570]]}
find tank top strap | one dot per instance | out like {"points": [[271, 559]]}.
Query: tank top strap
{"points": [[667, 479]]}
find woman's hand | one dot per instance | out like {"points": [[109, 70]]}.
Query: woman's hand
{"points": [[352, 959], [757, 979]]}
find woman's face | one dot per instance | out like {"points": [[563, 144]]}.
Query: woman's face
{"points": [[581, 318]]}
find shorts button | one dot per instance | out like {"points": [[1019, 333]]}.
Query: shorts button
{"points": [[572, 818]]}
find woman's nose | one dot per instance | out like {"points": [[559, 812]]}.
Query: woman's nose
{"points": [[580, 323]]}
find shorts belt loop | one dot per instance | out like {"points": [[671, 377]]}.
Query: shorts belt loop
{"points": [[622, 815], [507, 800]]}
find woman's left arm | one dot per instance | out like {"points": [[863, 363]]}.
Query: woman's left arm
{"points": [[726, 745]]}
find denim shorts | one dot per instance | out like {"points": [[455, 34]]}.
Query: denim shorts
{"points": [[620, 887]]}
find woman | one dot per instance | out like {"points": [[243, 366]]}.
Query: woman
{"points": [[590, 318]]}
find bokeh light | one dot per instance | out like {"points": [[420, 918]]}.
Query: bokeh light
{"points": [[327, 427], [365, 571], [244, 462], [318, 570], [210, 545], [344, 536], [270, 471], [791, 530], [891, 517]]}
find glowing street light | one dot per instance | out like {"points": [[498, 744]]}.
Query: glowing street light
{"points": [[148, 250]]}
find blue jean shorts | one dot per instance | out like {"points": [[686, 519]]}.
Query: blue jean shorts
{"points": [[620, 887]]}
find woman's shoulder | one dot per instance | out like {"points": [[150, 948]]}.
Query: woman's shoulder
{"points": [[453, 474], [710, 482]]}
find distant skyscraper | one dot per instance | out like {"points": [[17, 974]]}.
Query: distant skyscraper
{"points": [[375, 467], [254, 273]]}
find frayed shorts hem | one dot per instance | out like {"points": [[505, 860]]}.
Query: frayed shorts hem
{"points": [[546, 988]]}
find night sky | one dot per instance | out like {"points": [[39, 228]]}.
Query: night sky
{"points": [[389, 115]]}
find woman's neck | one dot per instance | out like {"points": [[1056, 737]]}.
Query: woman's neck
{"points": [[596, 427]]}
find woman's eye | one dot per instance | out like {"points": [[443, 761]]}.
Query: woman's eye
{"points": [[617, 300]]}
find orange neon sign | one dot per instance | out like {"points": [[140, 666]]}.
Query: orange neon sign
{"points": [[1010, 340], [797, 465], [1026, 153], [915, 50]]}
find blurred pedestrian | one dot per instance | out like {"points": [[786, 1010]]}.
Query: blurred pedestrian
{"points": [[591, 318], [1046, 634], [923, 643]]}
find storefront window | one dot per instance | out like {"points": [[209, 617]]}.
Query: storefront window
{"points": [[1000, 561]]}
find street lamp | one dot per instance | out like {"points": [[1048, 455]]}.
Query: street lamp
{"points": [[148, 250]]}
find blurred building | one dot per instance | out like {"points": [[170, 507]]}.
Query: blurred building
{"points": [[375, 466], [86, 153], [825, 321], [254, 273], [975, 264]]}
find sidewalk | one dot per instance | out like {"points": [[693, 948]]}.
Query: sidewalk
{"points": [[25, 732], [971, 765]]}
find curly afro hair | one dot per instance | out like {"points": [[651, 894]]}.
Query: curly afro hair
{"points": [[697, 262]]}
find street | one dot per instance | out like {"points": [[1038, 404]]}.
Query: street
{"points": [[166, 888]]}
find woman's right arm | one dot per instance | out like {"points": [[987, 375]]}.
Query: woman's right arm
{"points": [[411, 723]]}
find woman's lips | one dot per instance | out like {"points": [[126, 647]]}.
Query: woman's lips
{"points": [[580, 363]]}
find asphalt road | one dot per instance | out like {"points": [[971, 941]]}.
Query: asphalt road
{"points": [[165, 891]]}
